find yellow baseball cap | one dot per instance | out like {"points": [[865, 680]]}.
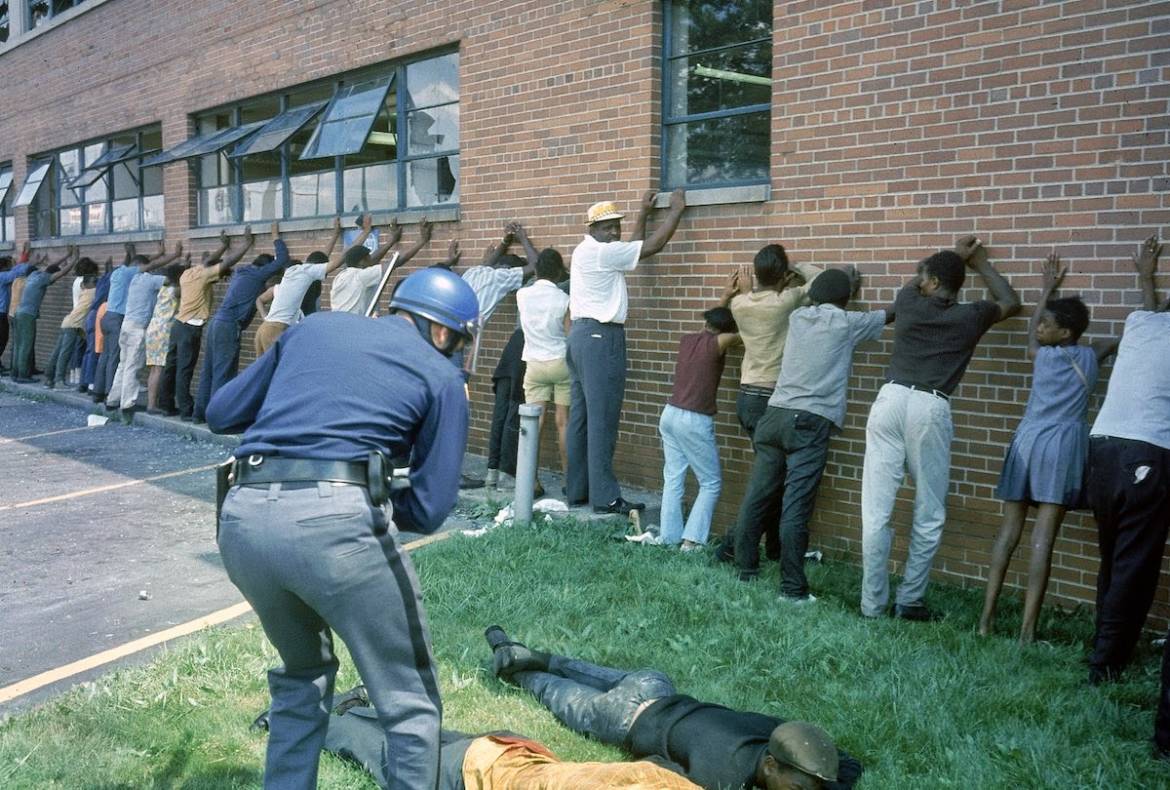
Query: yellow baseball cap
{"points": [[604, 210]]}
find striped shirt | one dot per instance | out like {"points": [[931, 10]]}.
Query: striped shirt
{"points": [[491, 285]]}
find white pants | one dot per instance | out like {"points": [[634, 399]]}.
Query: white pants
{"points": [[132, 356], [907, 431]]}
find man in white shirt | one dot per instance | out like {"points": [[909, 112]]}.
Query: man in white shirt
{"points": [[598, 304], [544, 314], [356, 285]]}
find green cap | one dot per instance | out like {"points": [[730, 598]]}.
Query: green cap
{"points": [[805, 747]]}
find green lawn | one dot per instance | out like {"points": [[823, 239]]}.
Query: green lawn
{"points": [[922, 705]]}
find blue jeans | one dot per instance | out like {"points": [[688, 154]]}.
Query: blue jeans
{"points": [[688, 440]]}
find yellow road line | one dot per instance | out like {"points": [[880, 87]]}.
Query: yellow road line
{"points": [[47, 433], [104, 489], [28, 685]]}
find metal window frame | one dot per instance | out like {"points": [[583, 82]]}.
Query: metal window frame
{"points": [[401, 161], [5, 191], [106, 163], [669, 120]]}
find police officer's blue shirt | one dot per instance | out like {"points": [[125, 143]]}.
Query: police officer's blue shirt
{"points": [[33, 293], [6, 280], [246, 284], [119, 286], [337, 386]]}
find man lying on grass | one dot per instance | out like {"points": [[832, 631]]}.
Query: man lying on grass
{"points": [[713, 746]]}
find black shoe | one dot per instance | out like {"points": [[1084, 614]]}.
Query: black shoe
{"points": [[619, 507], [98, 397], [127, 416], [23, 380], [1099, 675], [726, 551], [466, 483], [186, 418], [510, 657], [354, 698], [918, 612], [260, 723]]}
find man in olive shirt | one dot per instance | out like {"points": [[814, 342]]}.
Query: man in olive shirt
{"points": [[761, 313]]}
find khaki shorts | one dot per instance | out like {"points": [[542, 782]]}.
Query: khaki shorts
{"points": [[547, 381], [267, 334]]}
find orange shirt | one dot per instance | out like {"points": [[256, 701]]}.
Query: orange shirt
{"points": [[99, 340], [495, 762]]}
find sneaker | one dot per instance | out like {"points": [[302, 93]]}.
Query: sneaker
{"points": [[795, 601], [466, 482], [687, 548], [492, 478]]}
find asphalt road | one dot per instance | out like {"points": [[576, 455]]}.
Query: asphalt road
{"points": [[92, 554]]}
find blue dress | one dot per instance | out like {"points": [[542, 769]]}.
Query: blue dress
{"points": [[1046, 459]]}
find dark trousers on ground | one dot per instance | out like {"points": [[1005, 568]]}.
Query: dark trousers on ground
{"points": [[23, 345], [221, 362], [184, 346], [317, 559], [505, 436], [791, 449], [597, 367], [1129, 489], [107, 362], [749, 408], [3, 332], [62, 360], [594, 700], [1162, 717]]}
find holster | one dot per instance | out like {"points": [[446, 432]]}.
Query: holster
{"points": [[377, 471], [224, 479]]}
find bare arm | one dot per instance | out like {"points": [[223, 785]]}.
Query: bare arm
{"points": [[336, 235], [678, 204], [530, 254], [392, 238], [217, 254], [971, 250], [494, 251], [732, 289], [645, 206], [425, 229], [367, 226], [1146, 263], [129, 249], [71, 259], [1053, 276], [453, 254], [263, 300], [238, 255]]}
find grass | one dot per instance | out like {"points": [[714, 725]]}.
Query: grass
{"points": [[922, 705]]}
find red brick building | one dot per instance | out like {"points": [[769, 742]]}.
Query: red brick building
{"points": [[866, 133]]}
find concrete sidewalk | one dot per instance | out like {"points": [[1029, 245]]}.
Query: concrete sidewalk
{"points": [[473, 465]]}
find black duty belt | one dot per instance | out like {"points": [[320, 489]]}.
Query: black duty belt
{"points": [[257, 469], [920, 388]]}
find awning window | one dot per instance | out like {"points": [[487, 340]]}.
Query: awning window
{"points": [[5, 184], [277, 131], [100, 166], [348, 120], [32, 184], [204, 144]]}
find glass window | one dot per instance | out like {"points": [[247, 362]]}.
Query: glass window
{"points": [[347, 121], [99, 187], [333, 147], [41, 11], [5, 24], [717, 92], [32, 182], [7, 222]]}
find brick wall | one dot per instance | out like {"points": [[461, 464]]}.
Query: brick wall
{"points": [[897, 126]]}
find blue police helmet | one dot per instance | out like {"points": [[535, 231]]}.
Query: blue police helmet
{"points": [[440, 296]]}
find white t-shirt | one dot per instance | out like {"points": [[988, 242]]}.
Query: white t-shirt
{"points": [[597, 279], [542, 308], [77, 281], [354, 289], [1137, 403], [491, 285], [286, 301]]}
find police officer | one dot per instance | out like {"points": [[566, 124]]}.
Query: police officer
{"points": [[301, 533]]}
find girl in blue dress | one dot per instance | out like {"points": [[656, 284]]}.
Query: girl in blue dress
{"points": [[1045, 464]]}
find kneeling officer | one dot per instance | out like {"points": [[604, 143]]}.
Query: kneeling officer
{"points": [[301, 531]]}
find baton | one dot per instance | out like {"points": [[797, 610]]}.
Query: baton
{"points": [[382, 286]]}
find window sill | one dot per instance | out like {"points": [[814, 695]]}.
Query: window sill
{"points": [[412, 217], [105, 238], [716, 196], [16, 38]]}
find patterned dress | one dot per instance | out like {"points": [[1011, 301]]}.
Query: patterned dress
{"points": [[158, 332], [1046, 459]]}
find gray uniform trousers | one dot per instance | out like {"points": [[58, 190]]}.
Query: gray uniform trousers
{"points": [[107, 365], [597, 370], [311, 559]]}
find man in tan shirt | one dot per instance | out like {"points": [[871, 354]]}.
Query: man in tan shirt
{"points": [[194, 309], [761, 313]]}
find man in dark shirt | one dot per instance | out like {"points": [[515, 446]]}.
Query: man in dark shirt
{"points": [[909, 426], [715, 747], [300, 531]]}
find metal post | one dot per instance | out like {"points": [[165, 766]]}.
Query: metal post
{"points": [[526, 462]]}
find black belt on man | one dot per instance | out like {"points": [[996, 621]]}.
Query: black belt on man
{"points": [[920, 388]]}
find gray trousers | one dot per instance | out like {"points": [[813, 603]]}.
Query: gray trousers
{"points": [[107, 364], [597, 368], [317, 559]]}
